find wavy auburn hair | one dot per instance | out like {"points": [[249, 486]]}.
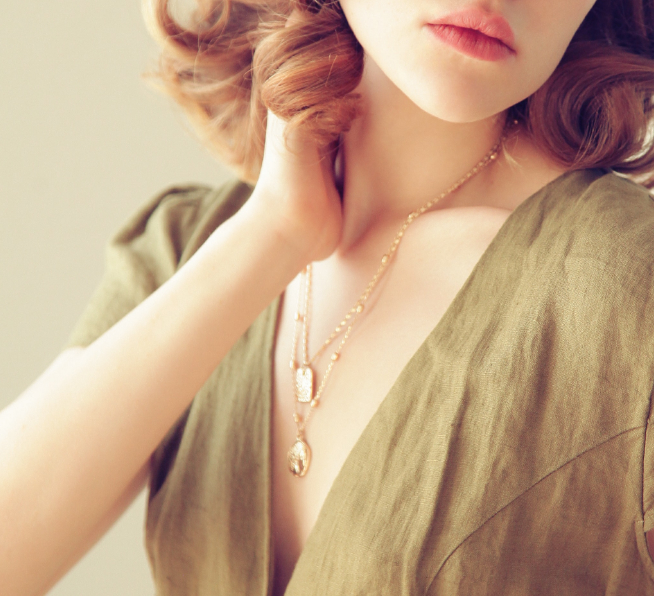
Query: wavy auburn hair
{"points": [[234, 59]]}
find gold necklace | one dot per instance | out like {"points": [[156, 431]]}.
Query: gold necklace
{"points": [[303, 376]]}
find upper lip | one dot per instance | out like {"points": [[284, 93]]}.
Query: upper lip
{"points": [[492, 25]]}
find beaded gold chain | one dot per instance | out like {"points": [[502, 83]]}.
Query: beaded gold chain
{"points": [[299, 455]]}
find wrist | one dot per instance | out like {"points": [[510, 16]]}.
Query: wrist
{"points": [[308, 223], [272, 239], [263, 216]]}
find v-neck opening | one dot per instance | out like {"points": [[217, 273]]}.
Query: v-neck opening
{"points": [[437, 330]]}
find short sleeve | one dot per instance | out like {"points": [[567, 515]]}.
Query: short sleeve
{"points": [[151, 246]]}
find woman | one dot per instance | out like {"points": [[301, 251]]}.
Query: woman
{"points": [[483, 405]]}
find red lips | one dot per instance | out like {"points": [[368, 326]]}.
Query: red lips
{"points": [[477, 33]]}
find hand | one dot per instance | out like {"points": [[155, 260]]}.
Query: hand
{"points": [[296, 191]]}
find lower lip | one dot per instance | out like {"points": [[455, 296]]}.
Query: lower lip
{"points": [[472, 43]]}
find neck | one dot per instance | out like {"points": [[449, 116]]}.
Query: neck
{"points": [[396, 157]]}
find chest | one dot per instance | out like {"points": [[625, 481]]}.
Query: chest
{"points": [[407, 304]]}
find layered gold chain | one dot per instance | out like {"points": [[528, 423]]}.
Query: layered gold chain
{"points": [[299, 455]]}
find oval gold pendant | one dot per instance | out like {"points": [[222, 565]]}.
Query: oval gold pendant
{"points": [[299, 457]]}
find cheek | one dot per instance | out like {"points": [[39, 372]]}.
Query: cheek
{"points": [[375, 23], [548, 30]]}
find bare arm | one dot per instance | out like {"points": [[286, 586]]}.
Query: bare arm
{"points": [[75, 446]]}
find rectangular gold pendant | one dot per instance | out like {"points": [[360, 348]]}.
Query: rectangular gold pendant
{"points": [[304, 384]]}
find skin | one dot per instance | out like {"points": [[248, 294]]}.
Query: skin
{"points": [[433, 111], [447, 84], [74, 447]]}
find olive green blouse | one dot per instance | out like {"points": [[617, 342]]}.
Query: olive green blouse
{"points": [[512, 456]]}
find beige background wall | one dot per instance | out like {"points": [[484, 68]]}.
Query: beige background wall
{"points": [[83, 142]]}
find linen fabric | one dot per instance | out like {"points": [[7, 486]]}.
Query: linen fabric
{"points": [[513, 456]]}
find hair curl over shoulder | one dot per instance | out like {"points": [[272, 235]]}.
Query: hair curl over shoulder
{"points": [[238, 58]]}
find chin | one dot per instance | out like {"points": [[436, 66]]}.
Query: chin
{"points": [[459, 99], [461, 114], [461, 108]]}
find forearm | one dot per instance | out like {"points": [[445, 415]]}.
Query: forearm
{"points": [[73, 442]]}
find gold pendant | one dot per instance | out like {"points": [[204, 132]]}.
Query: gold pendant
{"points": [[299, 458], [304, 384]]}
